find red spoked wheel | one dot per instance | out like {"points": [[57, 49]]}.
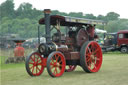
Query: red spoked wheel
{"points": [[56, 64], [91, 56], [70, 68], [35, 64]]}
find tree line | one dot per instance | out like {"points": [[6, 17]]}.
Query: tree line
{"points": [[24, 19]]}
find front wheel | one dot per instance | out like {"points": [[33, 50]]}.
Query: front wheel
{"points": [[56, 64], [91, 56], [34, 64]]}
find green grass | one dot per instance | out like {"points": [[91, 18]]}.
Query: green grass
{"points": [[114, 71]]}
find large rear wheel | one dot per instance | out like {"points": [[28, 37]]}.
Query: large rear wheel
{"points": [[91, 56], [56, 64]]}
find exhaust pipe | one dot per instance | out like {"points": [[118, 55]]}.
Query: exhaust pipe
{"points": [[48, 47], [47, 13]]}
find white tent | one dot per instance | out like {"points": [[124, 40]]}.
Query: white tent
{"points": [[100, 31]]}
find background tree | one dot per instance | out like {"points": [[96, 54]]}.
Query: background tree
{"points": [[100, 17], [117, 25], [112, 16], [75, 14], [7, 9], [24, 10], [24, 20], [90, 16]]}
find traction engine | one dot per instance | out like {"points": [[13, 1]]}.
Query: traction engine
{"points": [[62, 52]]}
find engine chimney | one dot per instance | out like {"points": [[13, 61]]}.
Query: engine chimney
{"points": [[47, 25]]}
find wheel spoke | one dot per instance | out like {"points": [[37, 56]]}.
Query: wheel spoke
{"points": [[32, 59], [57, 58], [31, 67], [88, 59], [89, 50], [51, 63], [96, 50], [95, 66], [89, 65], [60, 61], [52, 67], [40, 63], [38, 68], [38, 60], [55, 71], [52, 60], [92, 47], [59, 67], [98, 59], [88, 54]]}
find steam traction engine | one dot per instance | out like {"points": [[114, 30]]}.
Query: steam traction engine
{"points": [[62, 52]]}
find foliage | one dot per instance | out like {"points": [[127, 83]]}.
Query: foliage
{"points": [[117, 25], [90, 16], [112, 16], [7, 9], [24, 20]]}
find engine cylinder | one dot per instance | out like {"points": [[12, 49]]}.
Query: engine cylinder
{"points": [[45, 49]]}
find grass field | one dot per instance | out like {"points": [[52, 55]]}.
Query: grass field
{"points": [[114, 71]]}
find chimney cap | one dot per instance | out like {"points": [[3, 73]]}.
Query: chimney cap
{"points": [[47, 11]]}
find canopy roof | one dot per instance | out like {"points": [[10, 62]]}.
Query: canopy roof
{"points": [[123, 31], [71, 21], [17, 40]]}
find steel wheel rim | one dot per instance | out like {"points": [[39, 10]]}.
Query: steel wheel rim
{"points": [[57, 64], [93, 56], [36, 64]]}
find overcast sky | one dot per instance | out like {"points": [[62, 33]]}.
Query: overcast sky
{"points": [[95, 7]]}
